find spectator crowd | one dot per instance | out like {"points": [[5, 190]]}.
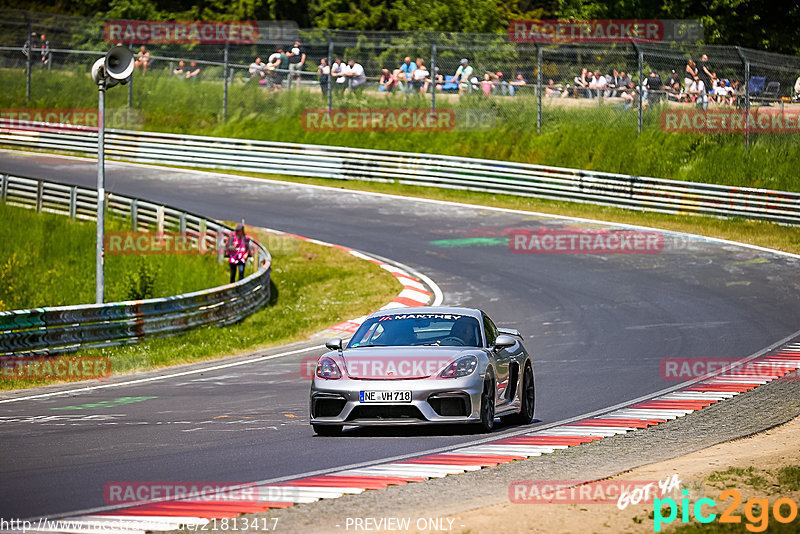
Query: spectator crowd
{"points": [[695, 83]]}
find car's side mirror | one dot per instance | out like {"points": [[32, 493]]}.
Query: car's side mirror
{"points": [[504, 341], [334, 344]]}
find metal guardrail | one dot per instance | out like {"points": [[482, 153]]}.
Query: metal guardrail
{"points": [[62, 329], [554, 183]]}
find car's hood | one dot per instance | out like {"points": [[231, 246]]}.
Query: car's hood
{"points": [[393, 363]]}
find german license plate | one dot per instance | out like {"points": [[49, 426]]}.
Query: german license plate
{"points": [[385, 396]]}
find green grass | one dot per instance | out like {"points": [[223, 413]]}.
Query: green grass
{"points": [[314, 287], [49, 260], [588, 138]]}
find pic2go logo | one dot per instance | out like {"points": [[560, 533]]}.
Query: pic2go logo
{"points": [[756, 511]]}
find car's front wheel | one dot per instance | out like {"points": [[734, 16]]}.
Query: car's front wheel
{"points": [[327, 430], [528, 398], [487, 406]]}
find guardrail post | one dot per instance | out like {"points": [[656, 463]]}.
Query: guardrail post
{"points": [[255, 259], [225, 84], [539, 62], [39, 191], [746, 63], [219, 245], [4, 187], [73, 202], [182, 222], [134, 215], [160, 219]]}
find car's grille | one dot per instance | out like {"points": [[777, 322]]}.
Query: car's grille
{"points": [[327, 406], [385, 411], [450, 405]]}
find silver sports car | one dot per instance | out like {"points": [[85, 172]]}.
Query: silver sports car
{"points": [[423, 365]]}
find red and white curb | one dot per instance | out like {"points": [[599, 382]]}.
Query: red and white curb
{"points": [[415, 292], [175, 514]]}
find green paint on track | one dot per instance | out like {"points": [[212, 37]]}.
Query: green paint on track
{"points": [[105, 404], [471, 242]]}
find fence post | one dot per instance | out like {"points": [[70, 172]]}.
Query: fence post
{"points": [[433, 71], [639, 84], [160, 219], [29, 59], [4, 187], [130, 86], [225, 84], [746, 63], [73, 202], [330, 72], [539, 62], [182, 223]]}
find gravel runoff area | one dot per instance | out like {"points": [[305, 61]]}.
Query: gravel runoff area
{"points": [[765, 407]]}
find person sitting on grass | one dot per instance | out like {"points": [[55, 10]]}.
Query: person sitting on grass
{"points": [[387, 82], [630, 95], [420, 75], [193, 71], [256, 69], [463, 76]]}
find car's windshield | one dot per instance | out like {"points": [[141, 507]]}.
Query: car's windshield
{"points": [[408, 329]]}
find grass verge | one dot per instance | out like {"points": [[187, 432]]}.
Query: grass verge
{"points": [[314, 287], [49, 260]]}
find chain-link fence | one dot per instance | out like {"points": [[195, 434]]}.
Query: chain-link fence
{"points": [[483, 79]]}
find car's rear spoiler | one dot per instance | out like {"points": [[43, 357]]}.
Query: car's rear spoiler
{"points": [[510, 332]]}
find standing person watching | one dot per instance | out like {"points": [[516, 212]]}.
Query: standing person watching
{"points": [[297, 61], [237, 251], [44, 49], [324, 72]]}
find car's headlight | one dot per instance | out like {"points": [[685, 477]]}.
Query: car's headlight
{"points": [[327, 369], [461, 367]]}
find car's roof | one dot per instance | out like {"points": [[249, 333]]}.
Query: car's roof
{"points": [[428, 310]]}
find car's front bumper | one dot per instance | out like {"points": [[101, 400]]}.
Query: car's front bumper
{"points": [[433, 401]]}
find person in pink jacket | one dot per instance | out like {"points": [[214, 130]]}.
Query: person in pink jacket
{"points": [[237, 251]]}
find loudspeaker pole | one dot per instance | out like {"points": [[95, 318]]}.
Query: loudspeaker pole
{"points": [[116, 67], [101, 193]]}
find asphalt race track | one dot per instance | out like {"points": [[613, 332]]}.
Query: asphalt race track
{"points": [[598, 326]]}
